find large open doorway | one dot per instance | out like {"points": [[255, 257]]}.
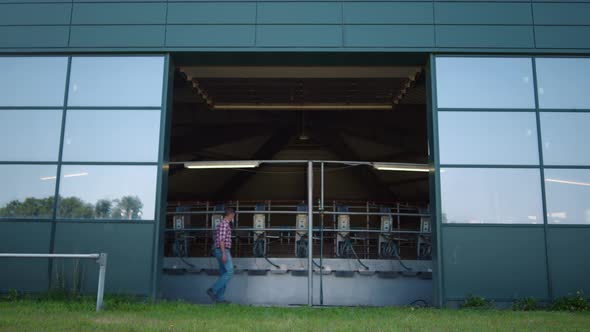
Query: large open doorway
{"points": [[364, 127]]}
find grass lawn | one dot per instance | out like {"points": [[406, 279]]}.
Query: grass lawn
{"points": [[32, 315]]}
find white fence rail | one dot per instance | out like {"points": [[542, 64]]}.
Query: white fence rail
{"points": [[101, 260]]}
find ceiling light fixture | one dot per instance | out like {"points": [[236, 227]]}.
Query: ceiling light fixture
{"points": [[401, 167], [222, 164]]}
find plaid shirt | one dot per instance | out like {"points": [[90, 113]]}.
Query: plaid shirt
{"points": [[223, 233]]}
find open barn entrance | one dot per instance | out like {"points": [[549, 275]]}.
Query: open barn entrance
{"points": [[249, 131]]}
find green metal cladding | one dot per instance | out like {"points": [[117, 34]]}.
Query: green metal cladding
{"points": [[525, 26]]}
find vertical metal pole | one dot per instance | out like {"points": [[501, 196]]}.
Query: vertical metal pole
{"points": [[309, 233], [322, 236], [102, 263]]}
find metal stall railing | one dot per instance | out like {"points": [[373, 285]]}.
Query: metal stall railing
{"points": [[101, 260], [321, 212]]}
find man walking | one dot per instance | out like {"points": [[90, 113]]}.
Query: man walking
{"points": [[223, 255]]}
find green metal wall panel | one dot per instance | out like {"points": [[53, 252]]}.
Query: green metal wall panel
{"points": [[211, 13], [35, 14], [387, 13], [389, 36], [210, 35], [569, 254], [299, 13], [496, 262], [562, 13], [562, 36], [484, 36], [33, 36], [117, 36], [482, 13], [119, 13], [302, 25], [28, 274], [299, 35], [129, 248]]}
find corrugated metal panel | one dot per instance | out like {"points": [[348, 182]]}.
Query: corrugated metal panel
{"points": [[490, 36], [211, 13], [119, 13], [388, 13], [494, 262], [562, 36], [389, 36], [562, 13], [33, 36], [210, 35], [299, 35], [117, 36], [299, 13], [35, 14], [482, 13]]}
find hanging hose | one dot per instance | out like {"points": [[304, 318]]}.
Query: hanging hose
{"points": [[259, 250], [347, 250], [302, 251], [302, 247], [178, 252], [390, 250]]}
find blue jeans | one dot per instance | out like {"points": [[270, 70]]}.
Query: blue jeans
{"points": [[226, 271]]}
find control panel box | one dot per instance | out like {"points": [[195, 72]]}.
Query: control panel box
{"points": [[302, 223], [178, 222], [343, 224], [386, 224], [258, 223]]}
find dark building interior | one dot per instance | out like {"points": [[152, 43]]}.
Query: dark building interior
{"points": [[371, 114]]}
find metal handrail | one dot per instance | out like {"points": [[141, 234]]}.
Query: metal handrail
{"points": [[101, 260]]}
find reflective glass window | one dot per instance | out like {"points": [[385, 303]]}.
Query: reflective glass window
{"points": [[562, 83], [116, 81], [27, 190], [491, 196], [33, 81], [30, 135], [488, 138], [108, 192], [112, 135], [568, 196], [477, 82], [565, 138]]}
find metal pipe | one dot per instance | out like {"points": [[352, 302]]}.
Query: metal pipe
{"points": [[287, 161], [322, 235], [314, 212], [102, 269], [83, 256], [249, 229], [101, 260], [310, 233]]}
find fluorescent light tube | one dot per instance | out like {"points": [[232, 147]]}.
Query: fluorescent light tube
{"points": [[222, 164], [401, 167]]}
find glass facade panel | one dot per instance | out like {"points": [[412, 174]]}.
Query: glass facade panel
{"points": [[479, 82], [565, 138], [108, 192], [33, 81], [116, 81], [112, 135], [568, 196], [488, 138], [491, 196], [563, 83], [27, 190], [30, 135]]}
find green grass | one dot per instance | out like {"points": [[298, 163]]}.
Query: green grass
{"points": [[122, 315]]}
